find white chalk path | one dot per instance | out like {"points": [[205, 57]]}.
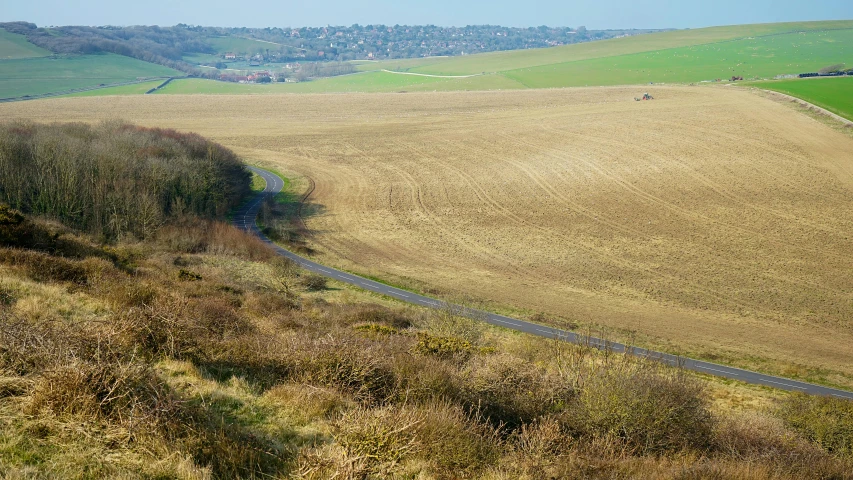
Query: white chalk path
{"points": [[435, 76]]}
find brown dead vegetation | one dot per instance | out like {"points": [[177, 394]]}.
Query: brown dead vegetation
{"points": [[242, 379]]}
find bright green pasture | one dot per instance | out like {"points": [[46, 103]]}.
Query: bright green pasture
{"points": [[363, 82], [517, 59], [198, 58], [759, 57], [32, 76], [834, 94], [134, 89], [14, 46], [239, 45]]}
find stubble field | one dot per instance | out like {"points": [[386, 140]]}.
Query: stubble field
{"points": [[711, 221]]}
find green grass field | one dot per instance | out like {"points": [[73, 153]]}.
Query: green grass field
{"points": [[833, 94], [517, 59], [684, 56], [135, 89], [759, 57], [13, 46], [239, 45], [363, 82], [32, 76]]}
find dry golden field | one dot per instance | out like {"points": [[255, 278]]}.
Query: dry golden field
{"points": [[710, 221]]}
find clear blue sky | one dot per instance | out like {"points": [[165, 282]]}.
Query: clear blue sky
{"points": [[288, 13]]}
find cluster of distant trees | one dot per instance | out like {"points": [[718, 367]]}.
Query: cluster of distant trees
{"points": [[116, 179]]}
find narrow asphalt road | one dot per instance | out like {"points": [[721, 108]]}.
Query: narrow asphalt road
{"points": [[245, 217]]}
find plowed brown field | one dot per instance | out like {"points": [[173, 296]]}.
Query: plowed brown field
{"points": [[709, 221]]}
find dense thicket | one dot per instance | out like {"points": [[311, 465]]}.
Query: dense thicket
{"points": [[115, 178]]}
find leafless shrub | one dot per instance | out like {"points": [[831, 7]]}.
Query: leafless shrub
{"points": [[194, 235], [510, 391], [378, 315], [313, 282], [648, 410], [43, 267]]}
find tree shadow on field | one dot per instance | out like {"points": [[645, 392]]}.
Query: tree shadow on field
{"points": [[283, 217]]}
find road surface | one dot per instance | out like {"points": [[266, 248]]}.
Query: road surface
{"points": [[245, 217]]}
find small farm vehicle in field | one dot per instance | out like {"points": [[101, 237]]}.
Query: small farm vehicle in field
{"points": [[646, 96]]}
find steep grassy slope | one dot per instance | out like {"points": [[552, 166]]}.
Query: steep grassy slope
{"points": [[14, 46], [33, 76], [239, 45], [511, 60], [759, 57]]}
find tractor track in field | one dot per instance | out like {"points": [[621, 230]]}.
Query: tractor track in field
{"points": [[245, 219]]}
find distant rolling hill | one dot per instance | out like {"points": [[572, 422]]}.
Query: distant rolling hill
{"points": [[26, 69], [683, 56], [754, 52]]}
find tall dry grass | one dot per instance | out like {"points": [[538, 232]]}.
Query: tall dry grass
{"points": [[344, 390]]}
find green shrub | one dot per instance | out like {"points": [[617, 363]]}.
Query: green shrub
{"points": [[376, 329], [649, 410], [826, 421], [188, 276], [313, 282], [443, 347], [377, 314]]}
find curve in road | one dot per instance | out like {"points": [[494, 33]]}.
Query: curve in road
{"points": [[245, 217]]}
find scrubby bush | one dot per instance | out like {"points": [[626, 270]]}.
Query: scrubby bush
{"points": [[826, 421], [247, 379], [194, 235], [511, 392], [443, 347], [647, 409], [313, 282], [43, 267], [375, 314]]}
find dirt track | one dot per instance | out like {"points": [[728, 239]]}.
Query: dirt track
{"points": [[709, 219]]}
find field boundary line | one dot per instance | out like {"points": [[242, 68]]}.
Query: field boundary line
{"points": [[83, 89]]}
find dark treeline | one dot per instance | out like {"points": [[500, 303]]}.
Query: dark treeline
{"points": [[116, 179], [163, 46]]}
